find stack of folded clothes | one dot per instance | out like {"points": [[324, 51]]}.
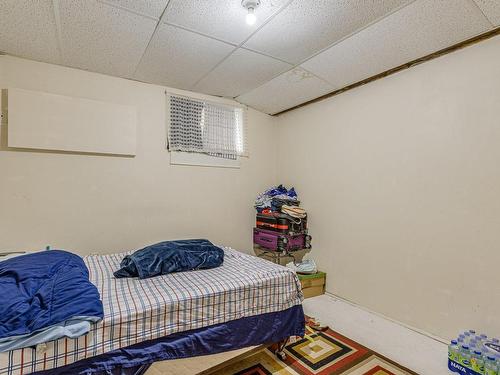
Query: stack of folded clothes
{"points": [[45, 296]]}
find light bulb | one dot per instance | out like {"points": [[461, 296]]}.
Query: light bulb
{"points": [[251, 17]]}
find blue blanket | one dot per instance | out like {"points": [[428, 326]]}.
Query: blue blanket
{"points": [[45, 296], [171, 256]]}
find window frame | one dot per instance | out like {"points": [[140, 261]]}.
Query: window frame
{"points": [[201, 159]]}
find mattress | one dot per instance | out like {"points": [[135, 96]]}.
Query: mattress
{"points": [[140, 310]]}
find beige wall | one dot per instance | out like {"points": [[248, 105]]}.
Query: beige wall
{"points": [[401, 178], [91, 203]]}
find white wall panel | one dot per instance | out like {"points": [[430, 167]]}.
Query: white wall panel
{"points": [[39, 120]]}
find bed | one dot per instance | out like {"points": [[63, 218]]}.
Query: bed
{"points": [[247, 301]]}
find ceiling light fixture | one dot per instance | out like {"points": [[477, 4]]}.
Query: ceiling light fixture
{"points": [[250, 6]]}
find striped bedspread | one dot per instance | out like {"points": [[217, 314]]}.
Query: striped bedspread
{"points": [[138, 310]]}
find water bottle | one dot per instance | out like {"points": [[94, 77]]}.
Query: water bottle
{"points": [[461, 340], [473, 345], [473, 335], [490, 366], [453, 351], [465, 356], [477, 362]]}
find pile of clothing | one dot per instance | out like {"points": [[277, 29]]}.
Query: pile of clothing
{"points": [[274, 198]]}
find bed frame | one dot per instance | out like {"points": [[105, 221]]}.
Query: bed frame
{"points": [[210, 364]]}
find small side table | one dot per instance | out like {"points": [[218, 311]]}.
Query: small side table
{"points": [[313, 285]]}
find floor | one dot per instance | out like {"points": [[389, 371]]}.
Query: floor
{"points": [[413, 350], [197, 365]]}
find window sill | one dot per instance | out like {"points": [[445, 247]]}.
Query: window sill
{"points": [[202, 160]]}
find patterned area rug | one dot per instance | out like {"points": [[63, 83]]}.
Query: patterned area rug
{"points": [[323, 353]]}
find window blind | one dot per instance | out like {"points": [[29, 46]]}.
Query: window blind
{"points": [[206, 127]]}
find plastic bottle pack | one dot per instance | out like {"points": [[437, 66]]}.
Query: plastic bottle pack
{"points": [[473, 354]]}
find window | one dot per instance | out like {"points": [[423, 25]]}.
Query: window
{"points": [[203, 127]]}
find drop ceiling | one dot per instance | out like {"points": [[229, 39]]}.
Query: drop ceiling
{"points": [[297, 50]]}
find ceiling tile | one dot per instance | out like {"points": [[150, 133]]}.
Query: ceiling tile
{"points": [[179, 58], [307, 26], [152, 8], [417, 30], [222, 19], [285, 91], [491, 8], [239, 73], [28, 29], [102, 38]]}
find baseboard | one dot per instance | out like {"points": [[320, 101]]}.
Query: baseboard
{"points": [[417, 330]]}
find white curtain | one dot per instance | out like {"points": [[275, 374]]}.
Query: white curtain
{"points": [[206, 127]]}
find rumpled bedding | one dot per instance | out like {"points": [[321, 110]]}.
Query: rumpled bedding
{"points": [[171, 256], [45, 296]]}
